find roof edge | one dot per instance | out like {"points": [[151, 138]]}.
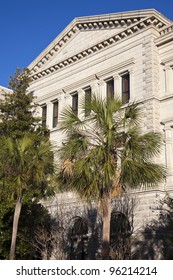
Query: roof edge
{"points": [[72, 27]]}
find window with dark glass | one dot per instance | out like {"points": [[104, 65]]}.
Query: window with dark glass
{"points": [[75, 103], [110, 88], [44, 115], [79, 239], [120, 236], [55, 113], [87, 101], [125, 88]]}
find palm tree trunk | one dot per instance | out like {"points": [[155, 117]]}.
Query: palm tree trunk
{"points": [[16, 217], [106, 228]]}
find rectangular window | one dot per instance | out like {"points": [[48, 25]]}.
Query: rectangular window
{"points": [[44, 115], [87, 101], [165, 85], [55, 113], [75, 103], [110, 88], [125, 88]]}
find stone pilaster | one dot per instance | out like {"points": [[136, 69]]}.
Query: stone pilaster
{"points": [[102, 89], [117, 88], [95, 87], [81, 94], [151, 68], [131, 72], [67, 100], [168, 153], [49, 114], [153, 115], [168, 80]]}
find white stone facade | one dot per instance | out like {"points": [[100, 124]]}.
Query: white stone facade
{"points": [[92, 50], [4, 90]]}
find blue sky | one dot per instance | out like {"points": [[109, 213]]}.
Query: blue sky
{"points": [[27, 27]]}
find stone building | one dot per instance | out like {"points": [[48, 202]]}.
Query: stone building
{"points": [[3, 90], [129, 54]]}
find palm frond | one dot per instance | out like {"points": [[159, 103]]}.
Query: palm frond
{"points": [[142, 147], [69, 119], [133, 114], [25, 164], [94, 145], [136, 174]]}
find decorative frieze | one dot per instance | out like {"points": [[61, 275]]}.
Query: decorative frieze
{"points": [[132, 26], [166, 29], [107, 24]]}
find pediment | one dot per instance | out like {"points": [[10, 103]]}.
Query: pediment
{"points": [[86, 35], [83, 40]]}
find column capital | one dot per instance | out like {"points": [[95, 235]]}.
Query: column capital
{"points": [[131, 70], [101, 82], [80, 91], [67, 95], [116, 77]]}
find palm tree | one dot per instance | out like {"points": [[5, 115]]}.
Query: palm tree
{"points": [[106, 153], [25, 168]]}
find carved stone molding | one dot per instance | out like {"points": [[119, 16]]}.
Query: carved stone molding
{"points": [[95, 25], [166, 29], [132, 26]]}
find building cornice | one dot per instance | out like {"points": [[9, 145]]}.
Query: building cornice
{"points": [[108, 21], [168, 61], [166, 35], [88, 80], [135, 27], [88, 23], [166, 29], [78, 26], [5, 89]]}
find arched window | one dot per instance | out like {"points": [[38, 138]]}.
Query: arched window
{"points": [[78, 239], [120, 236]]}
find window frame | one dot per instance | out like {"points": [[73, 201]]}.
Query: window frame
{"points": [[55, 113], [125, 87], [75, 102], [110, 88], [44, 114], [88, 95]]}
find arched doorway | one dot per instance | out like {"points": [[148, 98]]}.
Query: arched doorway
{"points": [[120, 236], [78, 239]]}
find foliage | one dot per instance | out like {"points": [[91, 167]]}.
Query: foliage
{"points": [[157, 236], [25, 167], [17, 107], [26, 154], [27, 247], [106, 153], [108, 140]]}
